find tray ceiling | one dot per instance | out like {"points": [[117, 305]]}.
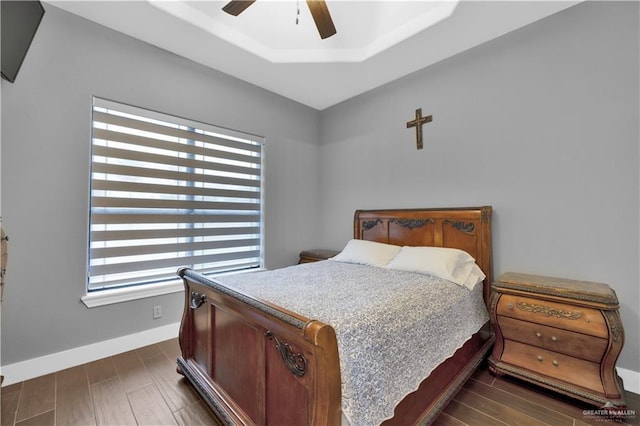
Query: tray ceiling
{"points": [[377, 41]]}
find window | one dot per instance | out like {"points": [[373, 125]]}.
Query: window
{"points": [[169, 192]]}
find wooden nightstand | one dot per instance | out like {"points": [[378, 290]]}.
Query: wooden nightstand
{"points": [[562, 334], [307, 256]]}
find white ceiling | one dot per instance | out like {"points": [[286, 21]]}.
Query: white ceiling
{"points": [[377, 41], [269, 28]]}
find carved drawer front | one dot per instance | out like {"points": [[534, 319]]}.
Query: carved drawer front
{"points": [[568, 317], [555, 339], [554, 365]]}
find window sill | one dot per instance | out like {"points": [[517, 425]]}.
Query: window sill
{"points": [[119, 295]]}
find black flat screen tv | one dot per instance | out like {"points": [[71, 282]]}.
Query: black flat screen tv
{"points": [[20, 20]]}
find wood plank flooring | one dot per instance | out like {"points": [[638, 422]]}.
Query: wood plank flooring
{"points": [[489, 400], [137, 387], [141, 387]]}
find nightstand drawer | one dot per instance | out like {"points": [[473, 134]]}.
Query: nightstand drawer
{"points": [[554, 339], [554, 365], [568, 317]]}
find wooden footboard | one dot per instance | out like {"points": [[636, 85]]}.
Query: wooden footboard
{"points": [[255, 363]]}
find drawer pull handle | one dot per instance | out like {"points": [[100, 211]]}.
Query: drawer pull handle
{"points": [[554, 338], [540, 358], [555, 363], [538, 334], [510, 306]]}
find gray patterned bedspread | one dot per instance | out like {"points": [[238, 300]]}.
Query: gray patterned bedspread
{"points": [[425, 320]]}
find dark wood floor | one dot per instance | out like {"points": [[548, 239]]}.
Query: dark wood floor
{"points": [[142, 387], [136, 387], [487, 400]]}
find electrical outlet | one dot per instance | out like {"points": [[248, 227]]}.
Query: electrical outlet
{"points": [[157, 311]]}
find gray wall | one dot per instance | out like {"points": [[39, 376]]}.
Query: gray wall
{"points": [[45, 173], [541, 123]]}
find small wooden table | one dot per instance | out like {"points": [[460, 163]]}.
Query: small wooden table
{"points": [[315, 255], [562, 334]]}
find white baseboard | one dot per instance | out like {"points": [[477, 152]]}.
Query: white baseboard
{"points": [[36, 367], [631, 379]]}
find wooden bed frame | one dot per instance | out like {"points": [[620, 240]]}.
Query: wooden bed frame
{"points": [[256, 363]]}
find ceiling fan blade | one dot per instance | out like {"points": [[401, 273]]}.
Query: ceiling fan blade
{"points": [[236, 7], [322, 17]]}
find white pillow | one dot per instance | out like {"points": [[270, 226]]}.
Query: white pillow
{"points": [[367, 253], [447, 263], [476, 276]]}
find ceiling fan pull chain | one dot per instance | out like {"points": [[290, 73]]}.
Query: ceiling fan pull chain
{"points": [[298, 12]]}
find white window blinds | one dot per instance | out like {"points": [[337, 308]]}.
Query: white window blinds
{"points": [[169, 192]]}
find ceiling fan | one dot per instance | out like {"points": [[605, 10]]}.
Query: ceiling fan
{"points": [[318, 9]]}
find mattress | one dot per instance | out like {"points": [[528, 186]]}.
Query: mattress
{"points": [[393, 327]]}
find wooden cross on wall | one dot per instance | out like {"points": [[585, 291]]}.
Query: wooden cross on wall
{"points": [[417, 123]]}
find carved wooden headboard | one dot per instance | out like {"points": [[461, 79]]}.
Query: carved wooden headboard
{"points": [[468, 229]]}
